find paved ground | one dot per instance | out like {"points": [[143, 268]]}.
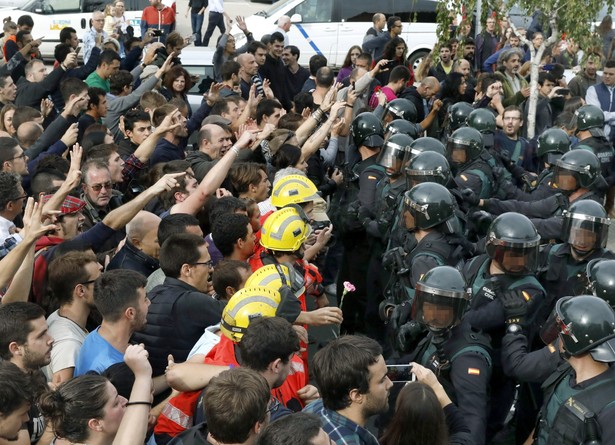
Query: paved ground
{"points": [[232, 7]]}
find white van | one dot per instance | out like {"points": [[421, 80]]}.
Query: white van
{"points": [[331, 27], [50, 16]]}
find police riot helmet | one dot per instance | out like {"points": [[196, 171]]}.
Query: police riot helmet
{"points": [[428, 205], [393, 154], [576, 169], [586, 226], [428, 166], [591, 118], [484, 121], [400, 108], [404, 127], [552, 144], [512, 242], [440, 299], [584, 324], [426, 143], [458, 115], [464, 145], [601, 277], [367, 131]]}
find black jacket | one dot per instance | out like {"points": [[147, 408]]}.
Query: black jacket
{"points": [[131, 258], [30, 93], [176, 319]]}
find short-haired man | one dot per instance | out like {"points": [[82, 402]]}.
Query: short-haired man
{"points": [[283, 28], [378, 21], [181, 308], [229, 276], [214, 141], [141, 250], [544, 113], [600, 95], [375, 46], [250, 180], [97, 109], [69, 35], [97, 192], [507, 139], [16, 396], [37, 85], [137, 128], [579, 84], [298, 429], [229, 72], [120, 298], [12, 157], [317, 61], [400, 75], [95, 35], [70, 280], [296, 75], [247, 72], [8, 90], [108, 64], [275, 71], [160, 17], [12, 199], [352, 379], [514, 86], [445, 64], [25, 342], [234, 236]]}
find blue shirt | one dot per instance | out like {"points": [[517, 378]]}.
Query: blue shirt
{"points": [[96, 354], [340, 429]]}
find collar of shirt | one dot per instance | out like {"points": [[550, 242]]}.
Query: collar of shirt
{"points": [[5, 227]]}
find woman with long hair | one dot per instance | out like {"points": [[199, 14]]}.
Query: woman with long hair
{"points": [[88, 408], [349, 62], [395, 51], [453, 91], [424, 414], [6, 119]]}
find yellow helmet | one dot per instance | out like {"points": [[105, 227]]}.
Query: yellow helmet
{"points": [[274, 276], [285, 230], [247, 304], [293, 189]]}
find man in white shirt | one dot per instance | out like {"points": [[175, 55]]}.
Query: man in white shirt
{"points": [[95, 36], [283, 28], [602, 95], [12, 198], [216, 19]]}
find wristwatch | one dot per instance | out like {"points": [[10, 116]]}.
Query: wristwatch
{"points": [[514, 329]]}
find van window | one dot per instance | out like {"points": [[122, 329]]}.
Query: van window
{"points": [[94, 5], [421, 11], [206, 78], [56, 6], [362, 10], [314, 11]]}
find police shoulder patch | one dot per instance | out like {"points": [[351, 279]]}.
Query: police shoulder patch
{"points": [[473, 371]]}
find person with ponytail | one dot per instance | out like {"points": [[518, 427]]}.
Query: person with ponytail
{"points": [[89, 410]]}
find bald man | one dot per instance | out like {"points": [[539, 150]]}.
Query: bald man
{"points": [[95, 36], [141, 249], [283, 27], [248, 68], [28, 133], [420, 96]]}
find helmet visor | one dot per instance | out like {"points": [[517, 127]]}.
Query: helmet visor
{"points": [[392, 157], [585, 233], [456, 152], [414, 177], [515, 260], [565, 179], [552, 328], [552, 158], [438, 309]]}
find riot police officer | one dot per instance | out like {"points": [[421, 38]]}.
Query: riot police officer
{"points": [[456, 117], [378, 223], [600, 273], [483, 120], [459, 355], [585, 326], [358, 191], [399, 109], [469, 162], [590, 131], [508, 268], [563, 266]]}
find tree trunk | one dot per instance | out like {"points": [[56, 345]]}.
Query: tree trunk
{"points": [[531, 114]]}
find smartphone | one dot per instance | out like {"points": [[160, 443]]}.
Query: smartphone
{"points": [[563, 92], [157, 32], [400, 373]]}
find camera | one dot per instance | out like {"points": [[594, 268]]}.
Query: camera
{"points": [[157, 32]]}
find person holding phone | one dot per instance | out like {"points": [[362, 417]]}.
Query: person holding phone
{"points": [[160, 18]]}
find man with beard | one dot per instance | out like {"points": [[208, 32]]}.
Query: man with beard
{"points": [[514, 86], [16, 396], [119, 296], [445, 65], [579, 84], [171, 146], [71, 282], [25, 342], [507, 139], [352, 378]]}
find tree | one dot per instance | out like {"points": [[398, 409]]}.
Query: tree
{"points": [[574, 18]]}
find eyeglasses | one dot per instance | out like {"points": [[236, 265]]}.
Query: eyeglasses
{"points": [[85, 283], [20, 197], [99, 187], [209, 263], [21, 156]]}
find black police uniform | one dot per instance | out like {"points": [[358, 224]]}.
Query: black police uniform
{"points": [[477, 175], [603, 149]]}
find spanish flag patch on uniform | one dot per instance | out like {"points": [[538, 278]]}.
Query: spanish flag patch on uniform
{"points": [[473, 371]]}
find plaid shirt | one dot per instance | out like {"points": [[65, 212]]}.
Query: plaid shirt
{"points": [[340, 429], [9, 244]]}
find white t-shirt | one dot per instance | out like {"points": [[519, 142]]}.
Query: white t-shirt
{"points": [[67, 340]]}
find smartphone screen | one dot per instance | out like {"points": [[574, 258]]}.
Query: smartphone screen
{"points": [[400, 373]]}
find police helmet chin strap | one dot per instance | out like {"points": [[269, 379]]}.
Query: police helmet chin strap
{"points": [[440, 363]]}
